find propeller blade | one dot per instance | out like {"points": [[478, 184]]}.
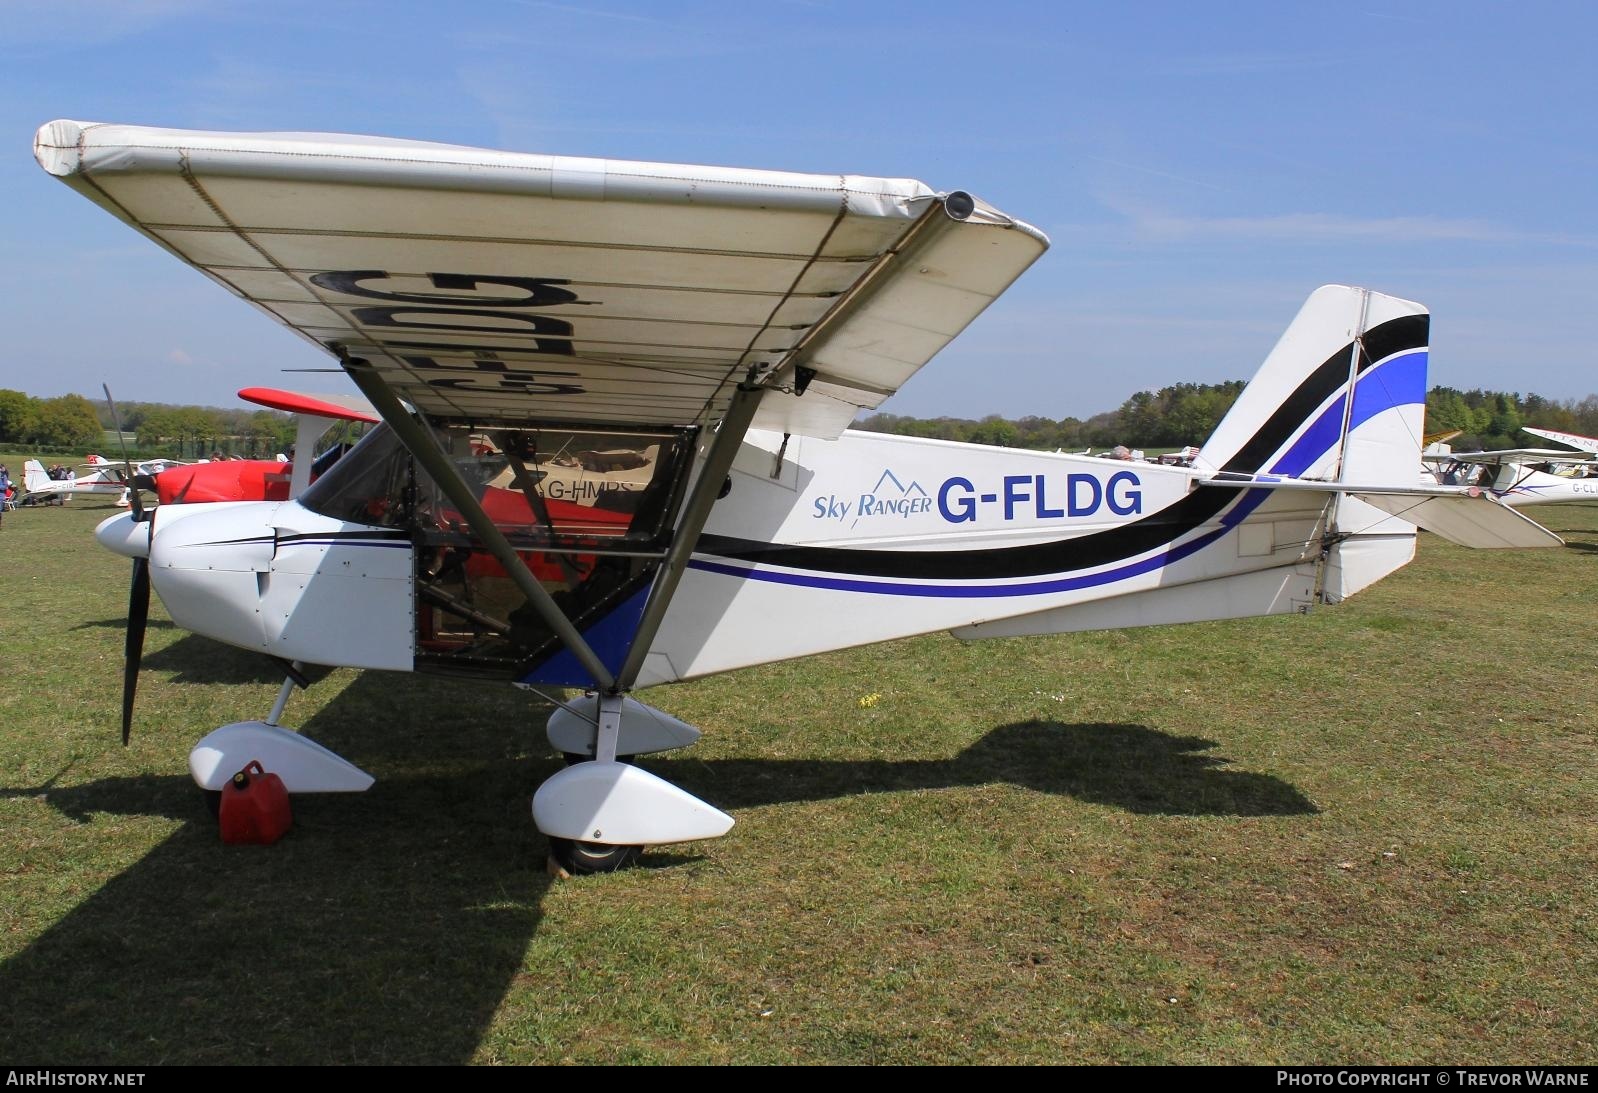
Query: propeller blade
{"points": [[135, 502], [133, 648]]}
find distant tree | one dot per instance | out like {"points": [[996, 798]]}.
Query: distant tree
{"points": [[65, 422], [993, 429], [1187, 413], [259, 434], [158, 426], [16, 411], [1184, 413]]}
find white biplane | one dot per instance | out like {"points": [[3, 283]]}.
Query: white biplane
{"points": [[614, 454]]}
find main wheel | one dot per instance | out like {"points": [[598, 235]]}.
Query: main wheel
{"points": [[581, 859], [572, 758]]}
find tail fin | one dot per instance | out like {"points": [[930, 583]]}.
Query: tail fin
{"points": [[33, 476], [1342, 398], [1295, 417]]}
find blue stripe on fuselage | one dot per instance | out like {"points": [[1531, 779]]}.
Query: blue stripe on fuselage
{"points": [[1400, 380]]}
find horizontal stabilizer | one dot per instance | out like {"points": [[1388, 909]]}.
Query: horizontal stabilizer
{"points": [[1479, 522], [1460, 514]]}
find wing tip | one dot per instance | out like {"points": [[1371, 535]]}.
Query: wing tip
{"points": [[58, 146]]}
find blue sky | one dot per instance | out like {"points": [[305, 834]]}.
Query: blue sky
{"points": [[1200, 168]]}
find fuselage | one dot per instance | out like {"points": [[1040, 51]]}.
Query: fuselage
{"points": [[1525, 483], [816, 545]]}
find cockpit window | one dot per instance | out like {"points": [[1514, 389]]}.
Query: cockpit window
{"points": [[587, 512], [370, 485], [560, 485], [542, 486]]}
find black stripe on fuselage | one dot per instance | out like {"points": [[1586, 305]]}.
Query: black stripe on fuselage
{"points": [[1034, 559], [1102, 547], [1382, 341], [372, 533]]}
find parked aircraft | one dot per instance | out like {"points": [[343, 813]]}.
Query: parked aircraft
{"points": [[99, 477], [1521, 476], [268, 479], [624, 461]]}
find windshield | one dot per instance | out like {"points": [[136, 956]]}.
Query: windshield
{"points": [[543, 485], [371, 484]]}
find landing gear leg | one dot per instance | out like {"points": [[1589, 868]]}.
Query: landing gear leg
{"points": [[213, 797], [304, 765], [577, 857]]}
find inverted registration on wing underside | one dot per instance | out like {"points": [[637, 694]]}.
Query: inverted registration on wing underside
{"points": [[493, 284]]}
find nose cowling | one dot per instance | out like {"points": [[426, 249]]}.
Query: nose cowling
{"points": [[205, 562]]}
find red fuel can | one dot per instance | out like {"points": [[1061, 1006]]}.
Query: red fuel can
{"points": [[255, 807]]}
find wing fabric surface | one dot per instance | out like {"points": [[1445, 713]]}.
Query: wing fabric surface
{"points": [[494, 285], [1517, 455]]}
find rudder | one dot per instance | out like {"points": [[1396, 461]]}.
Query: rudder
{"points": [[1294, 418]]}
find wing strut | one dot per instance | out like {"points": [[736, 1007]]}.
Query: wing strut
{"points": [[696, 510], [426, 452]]}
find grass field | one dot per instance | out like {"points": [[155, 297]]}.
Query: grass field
{"points": [[1362, 836]]}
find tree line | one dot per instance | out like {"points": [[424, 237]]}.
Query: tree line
{"points": [[1187, 413], [76, 423], [1182, 414], [1174, 416]]}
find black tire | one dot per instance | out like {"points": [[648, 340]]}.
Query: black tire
{"points": [[213, 803], [572, 758], [584, 859]]}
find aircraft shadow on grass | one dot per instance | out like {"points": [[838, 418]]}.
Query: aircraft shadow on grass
{"points": [[389, 925], [194, 658], [121, 623]]}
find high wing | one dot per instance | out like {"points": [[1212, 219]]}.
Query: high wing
{"points": [[1515, 455], [528, 287], [1581, 443], [333, 407]]}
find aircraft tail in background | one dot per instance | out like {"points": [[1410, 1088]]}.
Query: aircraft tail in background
{"points": [[34, 477]]}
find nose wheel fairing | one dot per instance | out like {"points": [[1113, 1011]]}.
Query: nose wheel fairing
{"points": [[304, 765], [618, 804]]}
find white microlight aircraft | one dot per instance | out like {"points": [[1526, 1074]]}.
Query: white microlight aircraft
{"points": [[100, 477], [1521, 476], [1524, 476], [624, 459]]}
